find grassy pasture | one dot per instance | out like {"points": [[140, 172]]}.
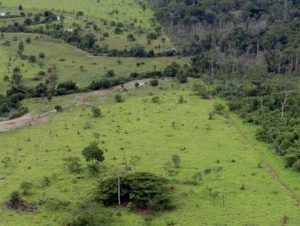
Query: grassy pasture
{"points": [[8, 61], [71, 63], [235, 191], [101, 13]]}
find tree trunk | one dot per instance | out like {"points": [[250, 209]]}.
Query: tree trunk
{"points": [[285, 11], [283, 105], [296, 63], [119, 190]]}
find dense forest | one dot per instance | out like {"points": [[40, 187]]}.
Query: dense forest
{"points": [[249, 52], [235, 35]]}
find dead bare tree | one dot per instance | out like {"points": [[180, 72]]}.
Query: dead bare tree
{"points": [[284, 102]]}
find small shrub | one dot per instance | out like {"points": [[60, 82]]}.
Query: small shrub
{"points": [[110, 74], [154, 82], [58, 108], [181, 100], [155, 99], [119, 98], [93, 169], [219, 108], [15, 200], [176, 160], [182, 78], [32, 59], [96, 112], [46, 181], [73, 164], [42, 55], [26, 188]]}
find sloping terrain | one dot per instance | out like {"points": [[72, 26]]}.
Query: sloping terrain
{"points": [[236, 178], [94, 91]]}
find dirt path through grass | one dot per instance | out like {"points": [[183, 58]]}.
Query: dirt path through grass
{"points": [[25, 120], [273, 173], [31, 119]]}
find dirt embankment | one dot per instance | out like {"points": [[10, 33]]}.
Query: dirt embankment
{"points": [[25, 120]]}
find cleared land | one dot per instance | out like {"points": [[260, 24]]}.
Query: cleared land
{"points": [[243, 181], [70, 62], [235, 168], [105, 14]]}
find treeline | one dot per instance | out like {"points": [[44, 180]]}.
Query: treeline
{"points": [[10, 103], [272, 102], [236, 36]]}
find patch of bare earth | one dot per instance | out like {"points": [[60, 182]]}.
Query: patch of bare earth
{"points": [[25, 120]]}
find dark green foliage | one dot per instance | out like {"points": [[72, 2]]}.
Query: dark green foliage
{"points": [[42, 55], [58, 108], [93, 153], [152, 35], [219, 108], [21, 110], [119, 98], [172, 70], [26, 188], [272, 102], [46, 181], [102, 84], [73, 164], [110, 74], [66, 88], [155, 99], [182, 78], [140, 190], [202, 90], [32, 59], [181, 100], [21, 48], [96, 112], [154, 82], [176, 160], [91, 215], [236, 34], [131, 37], [15, 200]]}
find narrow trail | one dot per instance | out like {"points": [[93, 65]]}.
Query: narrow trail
{"points": [[273, 173], [30, 119]]}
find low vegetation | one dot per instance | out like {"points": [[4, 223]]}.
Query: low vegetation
{"points": [[149, 112]]}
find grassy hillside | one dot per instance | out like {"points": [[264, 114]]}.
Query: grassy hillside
{"points": [[238, 187], [106, 15], [70, 62], [219, 173]]}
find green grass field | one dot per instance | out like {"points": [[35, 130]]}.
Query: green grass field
{"points": [[71, 63], [245, 183], [235, 192], [136, 20]]}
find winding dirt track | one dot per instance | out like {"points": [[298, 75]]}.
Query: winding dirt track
{"points": [[31, 119]]}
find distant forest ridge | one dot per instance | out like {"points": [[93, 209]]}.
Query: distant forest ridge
{"points": [[237, 35]]}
